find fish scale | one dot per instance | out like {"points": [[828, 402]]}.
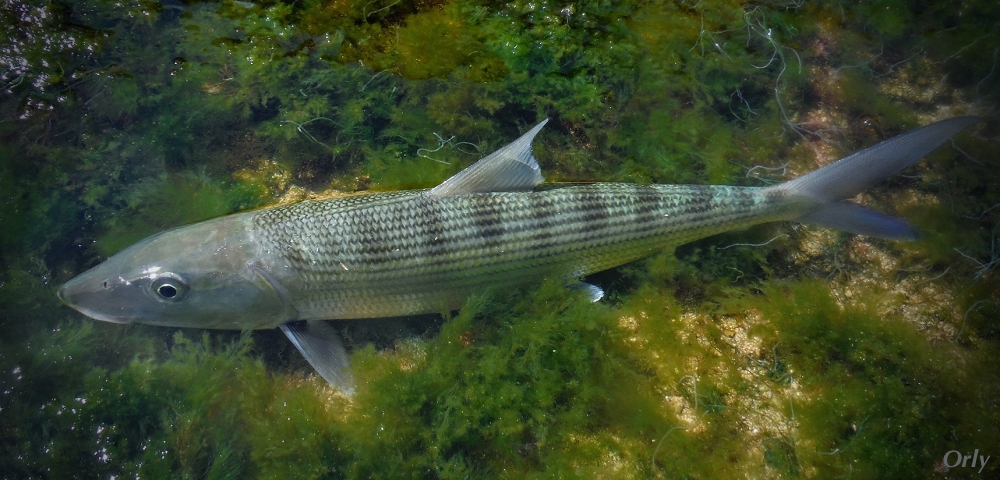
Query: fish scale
{"points": [[389, 254]]}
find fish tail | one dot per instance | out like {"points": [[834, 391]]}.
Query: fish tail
{"points": [[827, 189]]}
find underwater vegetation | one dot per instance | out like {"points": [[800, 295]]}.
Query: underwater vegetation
{"points": [[782, 351]]}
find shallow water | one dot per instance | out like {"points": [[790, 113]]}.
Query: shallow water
{"points": [[779, 351]]}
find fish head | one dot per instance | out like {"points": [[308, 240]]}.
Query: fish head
{"points": [[201, 275]]}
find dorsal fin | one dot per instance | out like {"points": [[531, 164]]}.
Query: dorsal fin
{"points": [[512, 168]]}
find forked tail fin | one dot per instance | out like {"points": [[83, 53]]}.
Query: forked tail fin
{"points": [[831, 185]]}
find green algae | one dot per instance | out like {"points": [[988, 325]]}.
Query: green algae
{"points": [[726, 360], [484, 421], [173, 200], [872, 391]]}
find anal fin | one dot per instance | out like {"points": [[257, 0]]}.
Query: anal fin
{"points": [[324, 350]]}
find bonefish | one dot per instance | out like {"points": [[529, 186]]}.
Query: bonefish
{"points": [[494, 224]]}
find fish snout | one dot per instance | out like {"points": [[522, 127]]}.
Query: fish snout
{"points": [[84, 294]]}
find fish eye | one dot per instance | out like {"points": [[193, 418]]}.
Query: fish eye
{"points": [[169, 288]]}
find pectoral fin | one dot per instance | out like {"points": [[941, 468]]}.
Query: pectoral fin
{"points": [[323, 349]]}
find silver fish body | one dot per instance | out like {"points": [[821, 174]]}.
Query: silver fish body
{"points": [[494, 224], [390, 254]]}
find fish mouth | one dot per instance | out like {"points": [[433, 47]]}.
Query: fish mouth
{"points": [[64, 295]]}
